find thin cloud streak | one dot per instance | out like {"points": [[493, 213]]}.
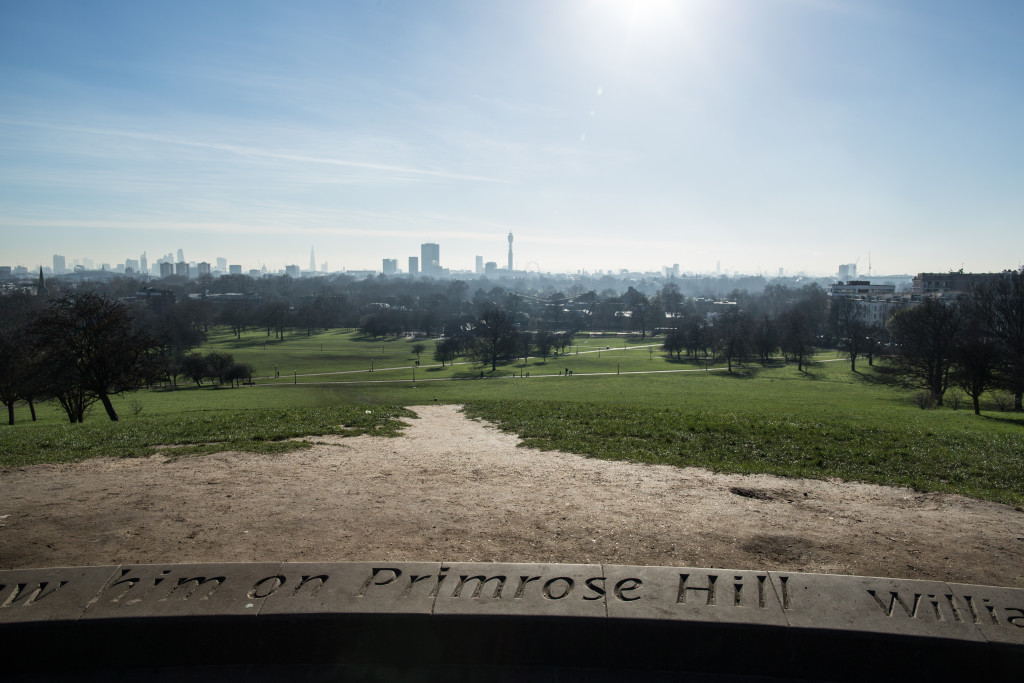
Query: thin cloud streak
{"points": [[260, 153]]}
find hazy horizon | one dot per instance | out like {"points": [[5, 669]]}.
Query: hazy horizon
{"points": [[794, 134]]}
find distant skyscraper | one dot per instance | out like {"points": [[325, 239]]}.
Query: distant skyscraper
{"points": [[479, 265], [848, 271], [235, 269], [59, 265], [510, 251], [204, 268], [181, 268], [312, 260], [390, 266], [143, 264], [414, 265], [222, 263], [430, 259], [292, 271], [181, 255], [166, 269]]}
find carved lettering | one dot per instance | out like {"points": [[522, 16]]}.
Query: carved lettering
{"points": [[952, 607], [935, 606], [991, 611], [598, 590], [896, 599], [625, 586], [523, 580], [970, 605], [1018, 619], [30, 597], [395, 573], [550, 595], [191, 585], [413, 580], [259, 591], [320, 580], [482, 580], [130, 583], [709, 591], [440, 579]]}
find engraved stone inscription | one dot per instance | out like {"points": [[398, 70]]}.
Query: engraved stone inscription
{"points": [[890, 606], [947, 607], [27, 594]]}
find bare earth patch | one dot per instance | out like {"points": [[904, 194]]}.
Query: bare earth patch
{"points": [[452, 489]]}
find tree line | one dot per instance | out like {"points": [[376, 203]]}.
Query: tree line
{"points": [[81, 348]]}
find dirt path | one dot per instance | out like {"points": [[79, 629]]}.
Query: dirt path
{"points": [[453, 489]]}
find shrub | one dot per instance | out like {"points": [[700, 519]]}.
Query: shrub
{"points": [[1003, 400], [925, 400], [955, 398]]}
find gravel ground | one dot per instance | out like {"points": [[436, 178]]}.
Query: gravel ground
{"points": [[453, 489]]}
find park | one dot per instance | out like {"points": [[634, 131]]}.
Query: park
{"points": [[602, 478]]}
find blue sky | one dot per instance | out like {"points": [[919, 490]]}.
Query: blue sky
{"points": [[761, 134]]}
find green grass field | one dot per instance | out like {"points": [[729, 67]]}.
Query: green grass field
{"points": [[621, 403]]}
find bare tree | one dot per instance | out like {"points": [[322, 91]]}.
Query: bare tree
{"points": [[92, 350], [495, 337], [926, 337], [999, 305]]}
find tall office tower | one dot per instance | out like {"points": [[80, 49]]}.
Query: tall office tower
{"points": [[312, 260], [181, 268], [166, 269], [204, 268], [222, 263], [430, 259], [414, 265], [390, 266], [143, 264], [181, 256], [510, 251], [59, 265], [479, 265]]}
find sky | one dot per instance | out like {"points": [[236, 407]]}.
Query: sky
{"points": [[754, 134]]}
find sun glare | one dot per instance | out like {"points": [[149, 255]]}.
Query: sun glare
{"points": [[648, 22]]}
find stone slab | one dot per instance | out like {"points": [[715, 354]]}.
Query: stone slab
{"points": [[453, 617], [550, 590], [59, 593], [779, 600]]}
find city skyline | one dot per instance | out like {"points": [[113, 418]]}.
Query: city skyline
{"points": [[793, 134]]}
